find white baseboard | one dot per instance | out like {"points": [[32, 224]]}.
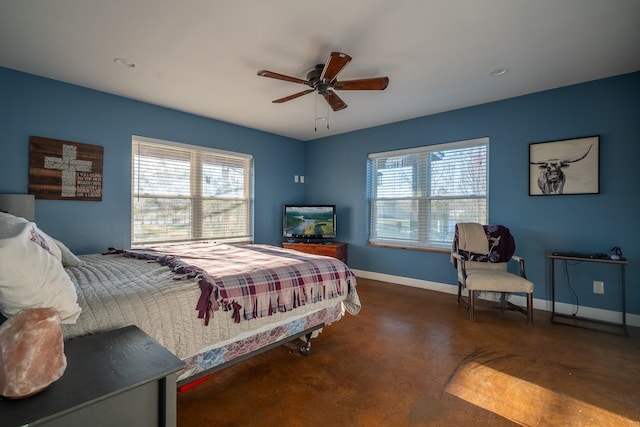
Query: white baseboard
{"points": [[539, 304]]}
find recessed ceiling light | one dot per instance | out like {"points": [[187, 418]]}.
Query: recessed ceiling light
{"points": [[124, 62], [499, 72]]}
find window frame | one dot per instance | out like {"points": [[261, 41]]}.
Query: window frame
{"points": [[423, 195], [198, 156]]}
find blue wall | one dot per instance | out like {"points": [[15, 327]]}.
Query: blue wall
{"points": [[334, 169], [336, 172], [36, 106]]}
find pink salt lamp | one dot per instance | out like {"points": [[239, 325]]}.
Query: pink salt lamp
{"points": [[31, 352]]}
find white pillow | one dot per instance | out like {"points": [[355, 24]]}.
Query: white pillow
{"points": [[69, 259], [31, 271]]}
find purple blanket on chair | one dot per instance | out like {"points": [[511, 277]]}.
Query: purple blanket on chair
{"points": [[502, 246]]}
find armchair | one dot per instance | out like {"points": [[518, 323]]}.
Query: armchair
{"points": [[481, 254]]}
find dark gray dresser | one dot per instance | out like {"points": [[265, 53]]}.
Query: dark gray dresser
{"points": [[116, 378]]}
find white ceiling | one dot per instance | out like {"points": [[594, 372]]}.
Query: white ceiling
{"points": [[202, 56]]}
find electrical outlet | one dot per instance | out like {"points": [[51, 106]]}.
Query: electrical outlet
{"points": [[598, 287]]}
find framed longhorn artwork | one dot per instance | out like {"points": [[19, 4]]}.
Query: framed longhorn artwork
{"points": [[64, 170], [570, 166]]}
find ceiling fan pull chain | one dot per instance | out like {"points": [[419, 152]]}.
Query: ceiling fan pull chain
{"points": [[327, 117]]}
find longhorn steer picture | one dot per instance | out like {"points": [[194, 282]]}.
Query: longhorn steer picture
{"points": [[552, 178], [551, 175]]}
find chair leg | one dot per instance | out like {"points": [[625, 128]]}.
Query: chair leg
{"points": [[470, 304], [503, 301]]}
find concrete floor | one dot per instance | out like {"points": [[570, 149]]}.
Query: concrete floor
{"points": [[411, 358]]}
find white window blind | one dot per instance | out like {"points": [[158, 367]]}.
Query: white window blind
{"points": [[416, 196], [182, 192]]}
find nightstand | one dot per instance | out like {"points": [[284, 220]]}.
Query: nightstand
{"points": [[118, 378]]}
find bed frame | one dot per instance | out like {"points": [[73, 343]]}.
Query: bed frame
{"points": [[166, 309], [188, 382]]}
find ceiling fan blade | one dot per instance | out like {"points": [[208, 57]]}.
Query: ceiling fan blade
{"points": [[294, 96], [271, 74], [334, 100], [336, 62], [374, 83]]}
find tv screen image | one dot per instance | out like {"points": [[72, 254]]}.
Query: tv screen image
{"points": [[309, 222]]}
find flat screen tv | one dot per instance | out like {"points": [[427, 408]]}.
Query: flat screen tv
{"points": [[309, 222]]}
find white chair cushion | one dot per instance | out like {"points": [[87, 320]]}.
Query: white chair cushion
{"points": [[475, 265], [472, 238], [493, 266], [497, 281]]}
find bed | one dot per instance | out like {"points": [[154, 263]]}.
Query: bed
{"points": [[211, 305]]}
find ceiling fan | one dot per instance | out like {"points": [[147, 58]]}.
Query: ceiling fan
{"points": [[324, 80]]}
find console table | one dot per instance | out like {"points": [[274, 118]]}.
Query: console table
{"points": [[584, 322], [334, 249], [116, 378]]}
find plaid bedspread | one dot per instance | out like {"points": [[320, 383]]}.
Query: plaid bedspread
{"points": [[255, 280]]}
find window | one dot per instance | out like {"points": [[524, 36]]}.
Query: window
{"points": [[416, 196], [182, 192]]}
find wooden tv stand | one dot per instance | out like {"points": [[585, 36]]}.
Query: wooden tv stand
{"points": [[334, 249]]}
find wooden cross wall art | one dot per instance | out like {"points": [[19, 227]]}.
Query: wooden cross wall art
{"points": [[63, 170]]}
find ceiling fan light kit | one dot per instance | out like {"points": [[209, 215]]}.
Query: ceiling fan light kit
{"points": [[323, 79]]}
